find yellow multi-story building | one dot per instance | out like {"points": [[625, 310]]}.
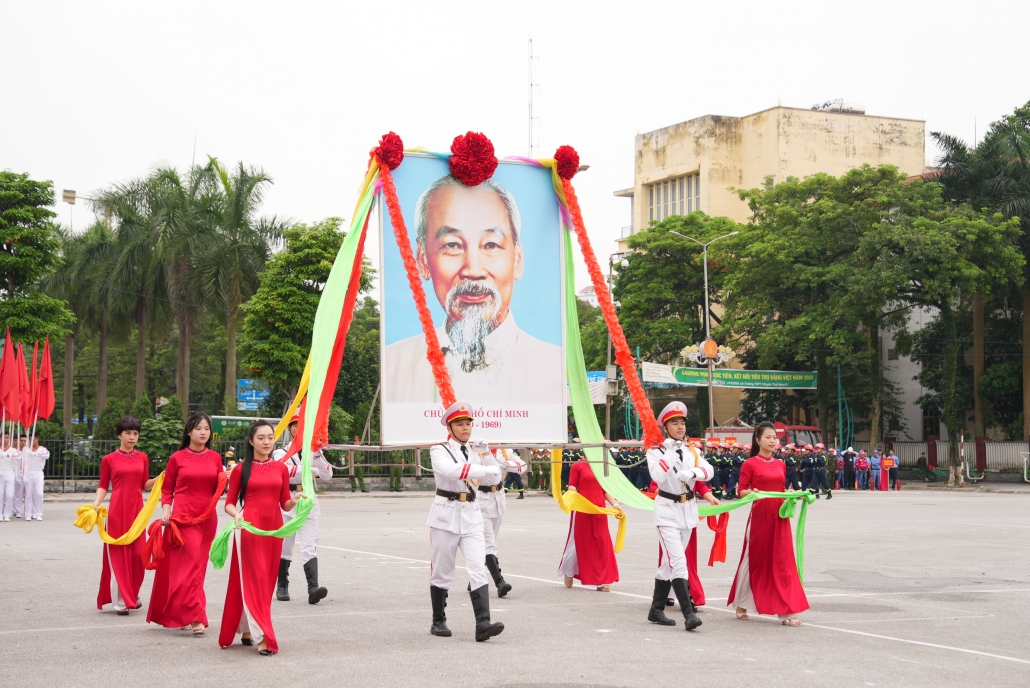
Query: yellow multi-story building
{"points": [[695, 165]]}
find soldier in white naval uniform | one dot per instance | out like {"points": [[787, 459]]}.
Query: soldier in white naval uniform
{"points": [[456, 520], [6, 479], [493, 506], [307, 536], [675, 466], [34, 461]]}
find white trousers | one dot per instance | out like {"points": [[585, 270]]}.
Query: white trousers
{"points": [[491, 526], [19, 495], [34, 494], [672, 552], [445, 546], [6, 494], [307, 536]]}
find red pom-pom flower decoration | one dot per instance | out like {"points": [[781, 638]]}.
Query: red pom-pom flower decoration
{"points": [[567, 160], [472, 160], [390, 151]]}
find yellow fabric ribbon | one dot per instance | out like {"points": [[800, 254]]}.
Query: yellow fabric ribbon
{"points": [[87, 517], [573, 501]]}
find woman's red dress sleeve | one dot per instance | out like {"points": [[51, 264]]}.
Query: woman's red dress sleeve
{"points": [[146, 470], [284, 491], [745, 476], [105, 472], [574, 476], [168, 488], [234, 485]]}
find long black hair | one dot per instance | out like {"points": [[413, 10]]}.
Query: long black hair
{"points": [[248, 455], [191, 423], [759, 430]]}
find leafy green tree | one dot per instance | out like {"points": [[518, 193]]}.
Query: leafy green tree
{"points": [[29, 253], [359, 372], [280, 316], [938, 259], [173, 409], [143, 408], [994, 176], [107, 420]]}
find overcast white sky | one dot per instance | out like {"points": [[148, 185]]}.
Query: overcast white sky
{"points": [[96, 92]]}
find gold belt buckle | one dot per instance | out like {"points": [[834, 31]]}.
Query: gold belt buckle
{"points": [[683, 498], [462, 496]]}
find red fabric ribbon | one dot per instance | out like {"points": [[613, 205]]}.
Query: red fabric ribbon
{"points": [[153, 550], [433, 351], [718, 524], [623, 356]]}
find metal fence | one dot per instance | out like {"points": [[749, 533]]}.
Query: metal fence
{"points": [[1002, 455]]}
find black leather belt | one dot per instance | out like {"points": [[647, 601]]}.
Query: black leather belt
{"points": [[457, 496], [490, 488], [685, 497]]}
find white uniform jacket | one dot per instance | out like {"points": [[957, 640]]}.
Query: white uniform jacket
{"points": [[320, 468], [454, 473], [495, 503], [8, 462], [676, 475], [15, 461], [35, 460]]}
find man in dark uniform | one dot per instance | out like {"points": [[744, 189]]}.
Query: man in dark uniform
{"points": [[819, 478], [791, 459], [736, 461], [725, 467], [716, 463]]}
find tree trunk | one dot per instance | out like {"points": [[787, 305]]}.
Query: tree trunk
{"points": [[69, 380], [952, 419], [230, 366], [102, 369], [978, 360], [182, 382], [876, 377], [1026, 362], [822, 394], [141, 351]]}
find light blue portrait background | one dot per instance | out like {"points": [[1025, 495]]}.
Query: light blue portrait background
{"points": [[536, 298]]}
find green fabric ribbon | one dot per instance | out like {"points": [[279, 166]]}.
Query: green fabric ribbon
{"points": [[327, 322]]}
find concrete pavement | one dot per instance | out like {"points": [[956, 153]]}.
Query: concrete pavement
{"points": [[917, 588]]}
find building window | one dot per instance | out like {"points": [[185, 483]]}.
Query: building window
{"points": [[892, 354], [678, 196]]}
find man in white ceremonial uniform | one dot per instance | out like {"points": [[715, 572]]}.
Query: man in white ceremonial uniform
{"points": [[7, 464], [494, 506], [307, 536], [19, 475], [34, 460], [456, 520], [675, 466]]}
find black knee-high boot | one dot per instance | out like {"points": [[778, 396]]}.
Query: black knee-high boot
{"points": [[494, 566], [315, 592], [481, 606], [282, 587], [657, 613], [691, 620], [439, 597]]}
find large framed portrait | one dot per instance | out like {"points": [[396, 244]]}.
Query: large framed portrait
{"points": [[489, 261]]}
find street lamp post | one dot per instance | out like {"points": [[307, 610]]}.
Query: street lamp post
{"points": [[710, 354]]}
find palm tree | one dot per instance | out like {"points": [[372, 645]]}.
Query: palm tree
{"points": [[138, 286], [238, 254], [83, 283]]}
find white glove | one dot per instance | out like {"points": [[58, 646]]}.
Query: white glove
{"points": [[493, 472], [506, 466], [481, 446]]}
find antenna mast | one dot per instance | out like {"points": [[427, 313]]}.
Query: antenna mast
{"points": [[532, 112]]}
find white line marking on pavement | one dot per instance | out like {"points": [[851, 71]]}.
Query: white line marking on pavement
{"points": [[730, 611], [919, 642], [920, 592]]}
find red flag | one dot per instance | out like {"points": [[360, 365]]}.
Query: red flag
{"points": [[30, 414], [45, 389], [8, 379], [26, 388]]}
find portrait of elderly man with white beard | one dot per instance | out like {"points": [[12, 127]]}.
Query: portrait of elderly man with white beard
{"points": [[469, 249]]}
